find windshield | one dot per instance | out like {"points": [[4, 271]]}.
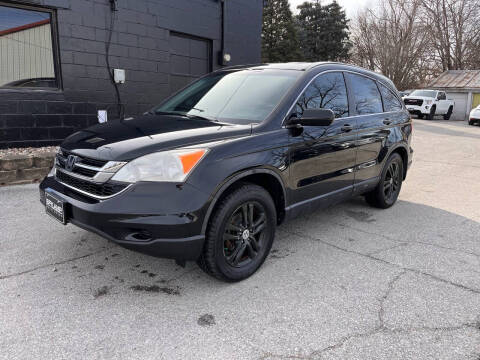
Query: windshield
{"points": [[240, 97], [424, 93]]}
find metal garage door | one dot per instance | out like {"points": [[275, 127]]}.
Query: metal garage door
{"points": [[190, 58], [460, 109]]}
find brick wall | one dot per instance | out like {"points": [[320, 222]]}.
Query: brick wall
{"points": [[141, 44]]}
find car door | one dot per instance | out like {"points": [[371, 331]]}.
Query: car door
{"points": [[442, 102], [374, 126], [322, 158]]}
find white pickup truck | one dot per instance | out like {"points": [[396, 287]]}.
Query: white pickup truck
{"points": [[428, 103]]}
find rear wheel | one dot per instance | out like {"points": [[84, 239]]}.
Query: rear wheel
{"points": [[240, 234], [420, 116], [388, 189], [432, 113], [448, 114]]}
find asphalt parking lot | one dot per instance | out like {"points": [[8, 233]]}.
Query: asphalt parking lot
{"points": [[351, 282]]}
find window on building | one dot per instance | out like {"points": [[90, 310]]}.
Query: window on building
{"points": [[326, 92], [27, 54], [366, 95], [390, 101]]}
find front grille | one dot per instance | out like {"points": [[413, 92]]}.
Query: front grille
{"points": [[415, 102], [103, 190], [62, 157], [84, 172]]}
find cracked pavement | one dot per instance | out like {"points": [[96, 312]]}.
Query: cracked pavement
{"points": [[349, 282]]}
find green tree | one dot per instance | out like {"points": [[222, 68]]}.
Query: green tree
{"points": [[323, 32], [279, 35]]}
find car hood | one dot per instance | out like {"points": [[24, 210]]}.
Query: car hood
{"points": [[475, 112], [134, 137]]}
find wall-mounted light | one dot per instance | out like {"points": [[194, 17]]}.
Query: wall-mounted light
{"points": [[224, 58]]}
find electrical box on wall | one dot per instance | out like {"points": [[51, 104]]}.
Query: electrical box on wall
{"points": [[102, 116], [119, 76]]}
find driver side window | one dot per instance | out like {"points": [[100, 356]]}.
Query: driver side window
{"points": [[328, 91]]}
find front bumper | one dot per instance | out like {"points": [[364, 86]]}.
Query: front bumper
{"points": [[159, 219], [417, 110]]}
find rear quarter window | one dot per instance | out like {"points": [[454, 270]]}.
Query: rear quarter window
{"points": [[390, 101]]}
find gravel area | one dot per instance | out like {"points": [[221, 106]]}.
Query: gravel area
{"points": [[29, 151]]}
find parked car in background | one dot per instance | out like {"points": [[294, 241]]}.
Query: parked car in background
{"points": [[209, 173], [429, 103], [474, 116]]}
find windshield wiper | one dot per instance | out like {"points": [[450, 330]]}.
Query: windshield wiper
{"points": [[160, 112], [191, 116], [187, 115]]}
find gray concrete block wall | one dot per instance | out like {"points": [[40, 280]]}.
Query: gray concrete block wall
{"points": [[140, 44]]}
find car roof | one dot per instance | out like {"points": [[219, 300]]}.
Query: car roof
{"points": [[300, 66], [308, 66]]}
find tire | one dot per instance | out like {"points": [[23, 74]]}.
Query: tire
{"points": [[420, 116], [233, 248], [432, 113], [448, 114], [470, 122], [384, 196]]}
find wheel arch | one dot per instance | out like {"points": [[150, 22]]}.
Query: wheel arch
{"points": [[403, 152], [266, 178]]}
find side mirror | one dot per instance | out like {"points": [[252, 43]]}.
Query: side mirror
{"points": [[314, 117]]}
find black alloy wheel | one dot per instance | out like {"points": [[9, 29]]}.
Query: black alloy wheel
{"points": [[386, 192], [392, 181], [244, 234], [240, 233]]}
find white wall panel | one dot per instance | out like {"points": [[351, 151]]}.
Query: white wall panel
{"points": [[26, 54]]}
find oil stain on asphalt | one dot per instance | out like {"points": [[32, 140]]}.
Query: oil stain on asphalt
{"points": [[156, 289], [361, 216], [206, 320], [102, 291]]}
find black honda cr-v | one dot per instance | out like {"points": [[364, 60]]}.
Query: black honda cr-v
{"points": [[209, 173]]}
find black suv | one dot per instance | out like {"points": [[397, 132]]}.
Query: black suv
{"points": [[209, 173]]}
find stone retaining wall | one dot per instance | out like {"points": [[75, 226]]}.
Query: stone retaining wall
{"points": [[21, 169]]}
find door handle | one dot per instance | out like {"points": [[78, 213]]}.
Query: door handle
{"points": [[387, 121], [346, 128]]}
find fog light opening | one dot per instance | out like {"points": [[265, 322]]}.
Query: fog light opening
{"points": [[139, 236]]}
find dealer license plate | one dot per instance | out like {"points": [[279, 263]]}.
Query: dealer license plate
{"points": [[55, 207]]}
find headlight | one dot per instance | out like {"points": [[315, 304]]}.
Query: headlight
{"points": [[174, 165], [428, 102]]}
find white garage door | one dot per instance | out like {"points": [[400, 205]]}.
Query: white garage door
{"points": [[460, 109]]}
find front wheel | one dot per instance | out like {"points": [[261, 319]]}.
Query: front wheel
{"points": [[240, 234], [388, 189], [430, 115]]}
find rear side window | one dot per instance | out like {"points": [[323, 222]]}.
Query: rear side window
{"points": [[327, 91], [366, 96], [390, 101]]}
